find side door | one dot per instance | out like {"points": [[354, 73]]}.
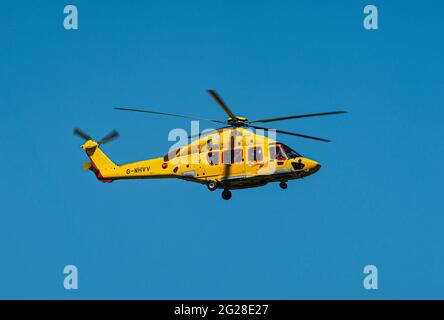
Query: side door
{"points": [[254, 160], [277, 158], [233, 161], [212, 163]]}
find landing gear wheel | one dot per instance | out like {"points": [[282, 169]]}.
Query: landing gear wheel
{"points": [[212, 185], [226, 194], [283, 185]]}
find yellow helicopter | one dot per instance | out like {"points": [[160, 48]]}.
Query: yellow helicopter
{"points": [[231, 157]]}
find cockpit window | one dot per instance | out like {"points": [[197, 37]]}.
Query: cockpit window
{"points": [[276, 152], [282, 152], [290, 152]]}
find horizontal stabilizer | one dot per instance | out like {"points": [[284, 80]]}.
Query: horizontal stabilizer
{"points": [[86, 166]]}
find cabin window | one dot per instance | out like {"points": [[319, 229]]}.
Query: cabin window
{"points": [[255, 154], [213, 157], [232, 156]]}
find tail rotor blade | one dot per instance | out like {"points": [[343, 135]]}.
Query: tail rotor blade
{"points": [[109, 137], [81, 134]]}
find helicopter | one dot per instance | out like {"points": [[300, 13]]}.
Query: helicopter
{"points": [[231, 157]]}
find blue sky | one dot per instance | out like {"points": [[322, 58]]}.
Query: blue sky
{"points": [[376, 200]]}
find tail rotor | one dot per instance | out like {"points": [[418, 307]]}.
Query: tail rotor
{"points": [[81, 134], [109, 137]]}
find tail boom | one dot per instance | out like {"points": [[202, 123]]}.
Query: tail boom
{"points": [[107, 171]]}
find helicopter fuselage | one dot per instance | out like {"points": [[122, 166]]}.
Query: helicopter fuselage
{"points": [[233, 158]]}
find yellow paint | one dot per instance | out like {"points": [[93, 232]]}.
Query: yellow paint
{"points": [[193, 162]]}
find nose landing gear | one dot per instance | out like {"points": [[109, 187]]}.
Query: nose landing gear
{"points": [[283, 185], [226, 194], [212, 185]]}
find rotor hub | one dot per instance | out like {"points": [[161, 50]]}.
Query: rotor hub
{"points": [[238, 121]]}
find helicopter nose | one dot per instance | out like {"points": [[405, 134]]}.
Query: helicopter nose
{"points": [[312, 165]]}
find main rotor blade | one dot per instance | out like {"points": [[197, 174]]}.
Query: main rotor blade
{"points": [[219, 100], [294, 134], [208, 133], [299, 116], [169, 114], [81, 134], [110, 136]]}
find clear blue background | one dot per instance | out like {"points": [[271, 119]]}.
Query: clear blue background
{"points": [[377, 199]]}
